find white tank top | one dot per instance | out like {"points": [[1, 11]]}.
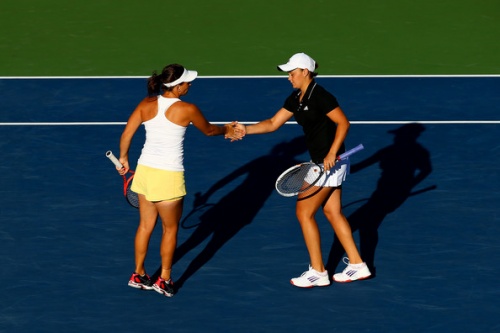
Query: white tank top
{"points": [[164, 146]]}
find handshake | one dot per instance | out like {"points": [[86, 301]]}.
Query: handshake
{"points": [[235, 131]]}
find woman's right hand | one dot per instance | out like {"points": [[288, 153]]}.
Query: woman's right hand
{"points": [[125, 168], [236, 131]]}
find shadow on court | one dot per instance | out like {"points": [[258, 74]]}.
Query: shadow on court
{"points": [[238, 208], [404, 165]]}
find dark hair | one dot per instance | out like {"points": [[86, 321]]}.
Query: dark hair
{"points": [[169, 73]]}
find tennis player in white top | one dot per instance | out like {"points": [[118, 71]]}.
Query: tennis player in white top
{"points": [[159, 176]]}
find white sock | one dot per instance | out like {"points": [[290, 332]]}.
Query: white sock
{"points": [[358, 266], [321, 273]]}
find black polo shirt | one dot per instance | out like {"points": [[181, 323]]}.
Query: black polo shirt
{"points": [[311, 113]]}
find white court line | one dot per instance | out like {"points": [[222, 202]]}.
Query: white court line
{"points": [[256, 76], [375, 122]]}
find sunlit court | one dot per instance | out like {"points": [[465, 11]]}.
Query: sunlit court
{"points": [[67, 232]]}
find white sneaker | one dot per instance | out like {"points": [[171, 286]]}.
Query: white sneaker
{"points": [[311, 278], [351, 273]]}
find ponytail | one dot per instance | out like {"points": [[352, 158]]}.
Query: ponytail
{"points": [[169, 74], [154, 84]]}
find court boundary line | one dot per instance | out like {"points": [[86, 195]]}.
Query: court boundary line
{"points": [[259, 76], [354, 122]]}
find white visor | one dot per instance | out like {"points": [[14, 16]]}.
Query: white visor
{"points": [[187, 76]]}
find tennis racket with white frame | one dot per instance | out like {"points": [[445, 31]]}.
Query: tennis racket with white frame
{"points": [[302, 177]]}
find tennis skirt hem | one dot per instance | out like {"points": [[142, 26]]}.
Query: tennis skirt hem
{"points": [[158, 185], [334, 177]]}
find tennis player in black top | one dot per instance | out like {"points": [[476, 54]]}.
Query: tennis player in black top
{"points": [[325, 127]]}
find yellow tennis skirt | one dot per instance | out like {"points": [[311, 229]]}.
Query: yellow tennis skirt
{"points": [[158, 185]]}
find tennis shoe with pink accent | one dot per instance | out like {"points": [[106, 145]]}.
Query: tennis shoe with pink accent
{"points": [[164, 287], [140, 281], [311, 278], [352, 272]]}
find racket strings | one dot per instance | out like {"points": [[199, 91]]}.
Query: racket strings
{"points": [[294, 181], [132, 197]]}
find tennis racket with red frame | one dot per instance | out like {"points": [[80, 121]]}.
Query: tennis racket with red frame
{"points": [[131, 196]]}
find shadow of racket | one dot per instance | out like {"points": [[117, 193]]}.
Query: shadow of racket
{"points": [[193, 219], [428, 188]]}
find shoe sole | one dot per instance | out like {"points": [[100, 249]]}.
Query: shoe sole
{"points": [[139, 286], [312, 286], [348, 281]]}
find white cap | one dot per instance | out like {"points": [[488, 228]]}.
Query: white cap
{"points": [[187, 76], [299, 60]]}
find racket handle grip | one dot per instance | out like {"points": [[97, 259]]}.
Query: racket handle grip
{"points": [[113, 159], [350, 152]]}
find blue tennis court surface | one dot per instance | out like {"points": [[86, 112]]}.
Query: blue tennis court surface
{"points": [[67, 233]]}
